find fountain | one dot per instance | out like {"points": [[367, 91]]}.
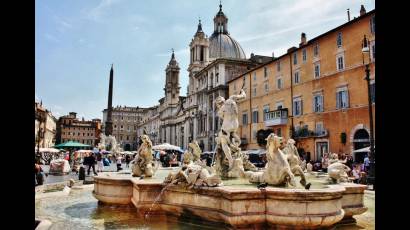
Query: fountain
{"points": [[226, 192]]}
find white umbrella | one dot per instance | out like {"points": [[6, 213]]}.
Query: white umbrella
{"points": [[166, 146], [84, 151], [48, 150]]}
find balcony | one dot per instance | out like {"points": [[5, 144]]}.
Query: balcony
{"points": [[305, 133], [276, 117]]}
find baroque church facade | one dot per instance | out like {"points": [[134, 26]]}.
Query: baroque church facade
{"points": [[214, 61]]}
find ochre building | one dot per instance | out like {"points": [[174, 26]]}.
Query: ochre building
{"points": [[317, 88]]}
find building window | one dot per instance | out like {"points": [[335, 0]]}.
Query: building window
{"points": [[339, 40], [217, 77], [296, 78], [254, 76], [122, 127], [295, 58], [83, 134], [316, 50], [297, 106], [279, 83], [244, 118], [304, 55], [342, 98], [278, 66], [254, 92], [265, 110], [127, 138], [373, 51], [266, 88], [373, 92], [317, 70], [319, 128], [279, 105], [318, 103], [255, 116], [373, 24], [340, 62], [265, 72]]}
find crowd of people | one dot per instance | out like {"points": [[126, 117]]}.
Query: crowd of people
{"points": [[359, 170]]}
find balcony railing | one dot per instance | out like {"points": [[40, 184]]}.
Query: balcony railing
{"points": [[305, 133], [276, 117]]}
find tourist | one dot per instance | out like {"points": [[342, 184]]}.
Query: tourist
{"points": [[349, 161], [356, 174], [366, 163], [90, 162], [100, 165], [127, 161], [38, 171], [325, 162], [309, 167], [119, 162]]}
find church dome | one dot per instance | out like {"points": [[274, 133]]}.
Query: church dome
{"points": [[221, 44], [224, 46]]}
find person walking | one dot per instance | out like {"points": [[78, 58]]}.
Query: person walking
{"points": [[90, 162], [100, 165]]}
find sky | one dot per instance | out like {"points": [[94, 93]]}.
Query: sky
{"points": [[76, 42]]}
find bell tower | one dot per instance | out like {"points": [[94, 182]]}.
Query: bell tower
{"points": [[172, 86], [199, 50]]}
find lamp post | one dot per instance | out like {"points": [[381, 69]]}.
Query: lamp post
{"points": [[365, 53]]}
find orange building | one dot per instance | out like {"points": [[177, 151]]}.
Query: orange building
{"points": [[318, 89]]}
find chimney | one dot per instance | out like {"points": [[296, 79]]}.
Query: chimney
{"points": [[362, 10], [348, 15], [302, 39]]}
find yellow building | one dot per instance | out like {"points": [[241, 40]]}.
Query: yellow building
{"points": [[317, 88]]}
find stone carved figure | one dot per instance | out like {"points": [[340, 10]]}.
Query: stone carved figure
{"points": [[143, 163], [193, 175], [196, 151], [193, 155], [338, 172], [295, 163], [228, 154], [278, 170]]}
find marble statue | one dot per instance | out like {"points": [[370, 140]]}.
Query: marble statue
{"points": [[196, 151], [278, 170], [109, 140], [338, 172], [229, 160], [143, 163], [295, 163], [192, 176], [187, 157], [193, 154]]}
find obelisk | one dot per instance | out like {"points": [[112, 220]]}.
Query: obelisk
{"points": [[108, 123]]}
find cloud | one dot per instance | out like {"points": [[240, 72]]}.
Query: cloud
{"points": [[97, 12], [51, 38], [288, 29]]}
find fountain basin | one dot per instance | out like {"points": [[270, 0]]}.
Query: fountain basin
{"points": [[238, 206]]}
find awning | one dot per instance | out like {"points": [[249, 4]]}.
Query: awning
{"points": [[71, 144], [363, 150]]}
